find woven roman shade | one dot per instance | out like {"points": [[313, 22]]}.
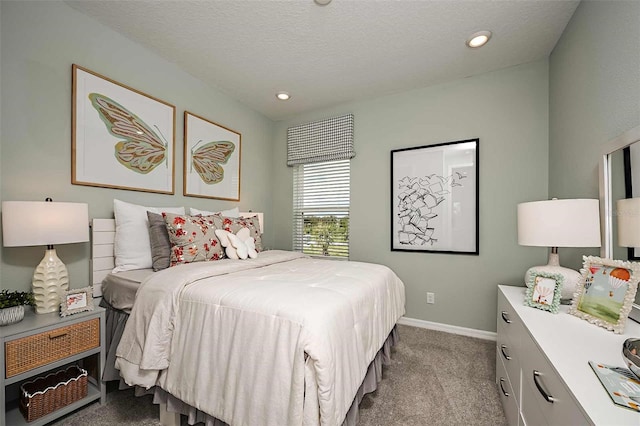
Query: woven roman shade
{"points": [[325, 140]]}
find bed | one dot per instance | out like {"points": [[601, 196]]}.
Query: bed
{"points": [[283, 339]]}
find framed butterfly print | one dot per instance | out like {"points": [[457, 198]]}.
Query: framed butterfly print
{"points": [[121, 138], [211, 159]]}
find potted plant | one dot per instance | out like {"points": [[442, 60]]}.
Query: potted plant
{"points": [[12, 305]]}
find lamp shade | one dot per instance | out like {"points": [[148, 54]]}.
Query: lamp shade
{"points": [[38, 223], [559, 223], [628, 215]]}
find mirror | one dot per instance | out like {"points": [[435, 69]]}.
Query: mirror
{"points": [[613, 187]]}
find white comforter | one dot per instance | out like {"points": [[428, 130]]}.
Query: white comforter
{"points": [[230, 337]]}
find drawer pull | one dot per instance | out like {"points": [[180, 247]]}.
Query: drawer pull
{"points": [[504, 354], [57, 334], [545, 395], [502, 388], [505, 317]]}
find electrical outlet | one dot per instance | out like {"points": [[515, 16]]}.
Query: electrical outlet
{"points": [[431, 297]]}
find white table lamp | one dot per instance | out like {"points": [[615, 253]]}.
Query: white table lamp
{"points": [[559, 223], [38, 223]]}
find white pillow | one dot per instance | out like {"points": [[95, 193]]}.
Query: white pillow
{"points": [[234, 212], [132, 248], [238, 246]]}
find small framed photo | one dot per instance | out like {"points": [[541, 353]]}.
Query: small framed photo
{"points": [[76, 300], [543, 291], [605, 292]]}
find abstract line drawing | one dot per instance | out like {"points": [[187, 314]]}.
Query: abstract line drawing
{"points": [[434, 198], [142, 150], [418, 201]]}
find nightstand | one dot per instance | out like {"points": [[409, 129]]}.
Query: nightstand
{"points": [[40, 344]]}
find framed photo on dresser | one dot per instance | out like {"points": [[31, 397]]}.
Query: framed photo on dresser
{"points": [[544, 290], [605, 292]]}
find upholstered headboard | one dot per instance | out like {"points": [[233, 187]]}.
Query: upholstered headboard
{"points": [[103, 232]]}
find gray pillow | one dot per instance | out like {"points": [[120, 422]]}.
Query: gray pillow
{"points": [[159, 239]]}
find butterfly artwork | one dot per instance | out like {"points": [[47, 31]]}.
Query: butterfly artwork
{"points": [[142, 149], [207, 160], [212, 154]]}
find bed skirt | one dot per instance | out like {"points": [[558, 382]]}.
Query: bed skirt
{"points": [[115, 322]]}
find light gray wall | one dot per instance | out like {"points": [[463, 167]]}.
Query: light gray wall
{"points": [[508, 111], [1, 287], [540, 126], [594, 95], [39, 43]]}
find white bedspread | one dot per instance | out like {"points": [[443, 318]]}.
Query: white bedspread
{"points": [[230, 337]]}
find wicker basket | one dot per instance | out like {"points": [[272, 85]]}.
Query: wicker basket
{"points": [[47, 394], [40, 349]]}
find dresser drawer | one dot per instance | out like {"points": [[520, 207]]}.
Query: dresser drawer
{"points": [[507, 395], [508, 323], [543, 392], [531, 411], [508, 354], [40, 349]]}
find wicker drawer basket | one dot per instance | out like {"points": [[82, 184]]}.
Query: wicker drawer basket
{"points": [[45, 395], [41, 349]]}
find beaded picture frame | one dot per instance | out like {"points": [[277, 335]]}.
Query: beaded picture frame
{"points": [[544, 290]]}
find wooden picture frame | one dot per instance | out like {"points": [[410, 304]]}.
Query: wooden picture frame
{"points": [[544, 290], [121, 137], [434, 198], [605, 292], [212, 156], [76, 300]]}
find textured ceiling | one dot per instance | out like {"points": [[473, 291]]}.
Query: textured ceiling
{"points": [[327, 55]]}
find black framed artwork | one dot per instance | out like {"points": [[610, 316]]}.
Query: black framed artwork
{"points": [[434, 198]]}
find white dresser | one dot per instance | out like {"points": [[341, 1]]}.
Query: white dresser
{"points": [[542, 369]]}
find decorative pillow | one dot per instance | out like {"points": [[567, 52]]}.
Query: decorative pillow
{"points": [[192, 239], [233, 225], [234, 212], [239, 246], [160, 244], [251, 247], [132, 247]]}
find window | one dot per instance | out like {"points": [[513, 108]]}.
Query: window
{"points": [[321, 208], [320, 153]]}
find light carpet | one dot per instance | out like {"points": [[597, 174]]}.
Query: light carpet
{"points": [[435, 378]]}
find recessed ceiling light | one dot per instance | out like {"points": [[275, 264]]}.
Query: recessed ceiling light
{"points": [[283, 96], [478, 39], [322, 2]]}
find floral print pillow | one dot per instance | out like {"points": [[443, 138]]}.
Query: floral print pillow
{"points": [[234, 224], [192, 238]]}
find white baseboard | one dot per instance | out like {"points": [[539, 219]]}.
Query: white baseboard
{"points": [[464, 331]]}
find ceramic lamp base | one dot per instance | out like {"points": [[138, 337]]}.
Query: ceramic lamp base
{"points": [[570, 281], [50, 280]]}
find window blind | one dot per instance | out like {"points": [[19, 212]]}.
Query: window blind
{"points": [[321, 196], [325, 140]]}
